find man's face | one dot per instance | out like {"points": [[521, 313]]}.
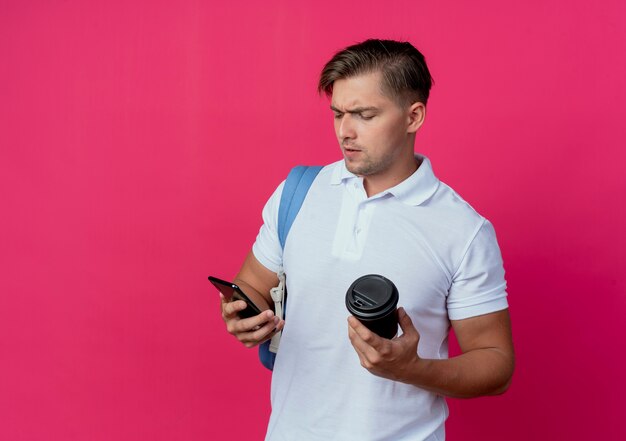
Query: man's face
{"points": [[372, 130]]}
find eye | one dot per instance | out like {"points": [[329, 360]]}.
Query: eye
{"points": [[337, 115], [366, 117]]}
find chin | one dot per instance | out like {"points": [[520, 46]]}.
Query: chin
{"points": [[352, 168]]}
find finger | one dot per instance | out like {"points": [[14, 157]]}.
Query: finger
{"points": [[406, 324], [363, 347], [223, 303], [279, 327], [368, 356], [248, 324], [261, 334], [232, 308], [356, 342], [370, 338]]}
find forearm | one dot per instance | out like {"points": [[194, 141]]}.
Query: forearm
{"points": [[256, 281], [475, 373]]}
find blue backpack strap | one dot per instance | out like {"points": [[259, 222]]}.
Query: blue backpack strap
{"points": [[295, 190]]}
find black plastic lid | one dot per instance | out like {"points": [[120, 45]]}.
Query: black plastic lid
{"points": [[371, 296]]}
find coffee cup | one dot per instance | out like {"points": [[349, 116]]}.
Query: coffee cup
{"points": [[373, 300]]}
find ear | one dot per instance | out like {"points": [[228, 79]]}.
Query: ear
{"points": [[416, 115]]}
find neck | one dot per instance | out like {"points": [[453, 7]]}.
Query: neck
{"points": [[375, 184]]}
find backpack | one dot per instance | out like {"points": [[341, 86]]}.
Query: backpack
{"points": [[295, 190]]}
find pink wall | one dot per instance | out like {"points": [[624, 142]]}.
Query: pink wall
{"points": [[139, 141]]}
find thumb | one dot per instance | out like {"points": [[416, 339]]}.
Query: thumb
{"points": [[406, 323]]}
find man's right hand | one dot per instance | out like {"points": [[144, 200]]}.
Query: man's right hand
{"points": [[249, 331]]}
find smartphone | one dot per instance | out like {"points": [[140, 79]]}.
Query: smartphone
{"points": [[233, 292]]}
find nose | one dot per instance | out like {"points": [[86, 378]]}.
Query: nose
{"points": [[345, 129]]}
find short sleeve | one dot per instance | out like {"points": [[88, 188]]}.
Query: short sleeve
{"points": [[478, 286], [266, 248]]}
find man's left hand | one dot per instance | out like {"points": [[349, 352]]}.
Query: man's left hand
{"points": [[392, 359]]}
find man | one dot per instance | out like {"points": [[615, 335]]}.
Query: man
{"points": [[380, 210]]}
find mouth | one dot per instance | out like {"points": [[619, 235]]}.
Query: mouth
{"points": [[351, 154], [351, 149]]}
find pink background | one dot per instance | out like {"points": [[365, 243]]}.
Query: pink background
{"points": [[140, 140]]}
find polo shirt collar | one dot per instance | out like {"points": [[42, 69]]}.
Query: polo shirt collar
{"points": [[341, 173], [414, 190]]}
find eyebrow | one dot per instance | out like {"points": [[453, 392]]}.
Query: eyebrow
{"points": [[355, 110]]}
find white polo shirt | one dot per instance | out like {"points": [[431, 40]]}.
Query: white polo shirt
{"points": [[441, 254]]}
